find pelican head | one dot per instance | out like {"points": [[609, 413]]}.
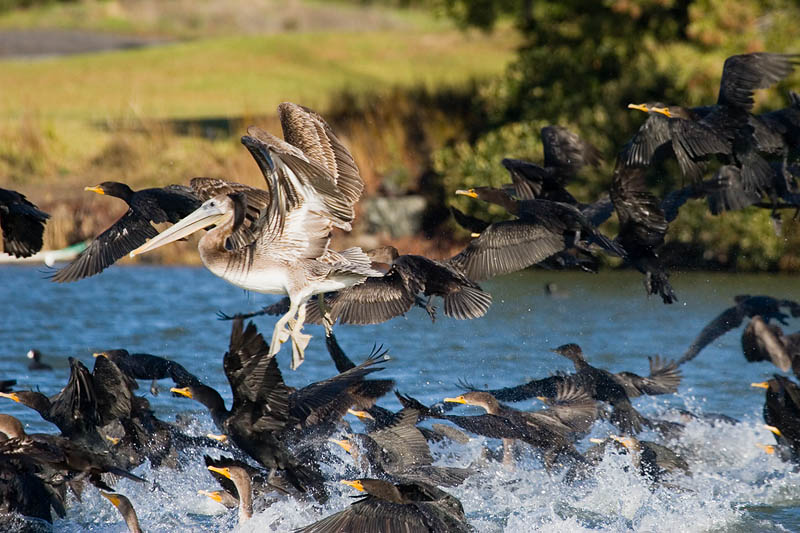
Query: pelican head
{"points": [[213, 212]]}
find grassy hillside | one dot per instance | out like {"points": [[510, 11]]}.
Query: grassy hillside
{"points": [[71, 121], [235, 76]]}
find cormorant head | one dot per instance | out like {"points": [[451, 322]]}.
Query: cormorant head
{"points": [[34, 354], [182, 391], [478, 398], [344, 443], [361, 415], [769, 449], [11, 396], [112, 188], [630, 443], [111, 354], [570, 351], [355, 483], [639, 107]]}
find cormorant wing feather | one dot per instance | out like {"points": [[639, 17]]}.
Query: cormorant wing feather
{"points": [[304, 402], [538, 387], [376, 300], [743, 74], [652, 134], [126, 234], [165, 204], [506, 247], [254, 376], [492, 426], [567, 150], [727, 320], [22, 224], [371, 515], [664, 378], [692, 142], [527, 178], [599, 211], [113, 390], [404, 441], [77, 400], [760, 339]]}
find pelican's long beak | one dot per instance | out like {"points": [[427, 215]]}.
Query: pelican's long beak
{"points": [[222, 471], [468, 192], [638, 107], [457, 399], [208, 214]]}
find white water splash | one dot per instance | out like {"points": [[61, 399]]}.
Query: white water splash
{"points": [[730, 475]]}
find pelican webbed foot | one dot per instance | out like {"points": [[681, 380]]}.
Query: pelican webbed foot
{"points": [[299, 344]]}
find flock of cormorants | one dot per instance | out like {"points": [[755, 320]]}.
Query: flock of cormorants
{"points": [[273, 439]]}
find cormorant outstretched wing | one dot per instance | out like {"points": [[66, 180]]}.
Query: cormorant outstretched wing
{"points": [[22, 224], [743, 74]]}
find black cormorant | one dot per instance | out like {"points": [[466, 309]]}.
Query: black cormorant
{"points": [[746, 306], [36, 361], [22, 224], [396, 508], [147, 206]]}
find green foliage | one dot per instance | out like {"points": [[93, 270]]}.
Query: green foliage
{"points": [[582, 63], [741, 240], [466, 165]]}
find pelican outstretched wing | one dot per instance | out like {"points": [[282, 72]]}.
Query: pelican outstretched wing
{"points": [[294, 180], [305, 129]]}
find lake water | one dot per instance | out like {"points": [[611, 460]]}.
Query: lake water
{"points": [[171, 312]]}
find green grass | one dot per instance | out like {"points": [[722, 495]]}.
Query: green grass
{"points": [[233, 76], [186, 19]]}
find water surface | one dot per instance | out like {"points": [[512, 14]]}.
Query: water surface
{"points": [[171, 312]]}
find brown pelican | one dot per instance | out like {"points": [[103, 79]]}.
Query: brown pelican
{"points": [[313, 184]]}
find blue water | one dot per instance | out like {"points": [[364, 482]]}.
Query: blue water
{"points": [[171, 312]]}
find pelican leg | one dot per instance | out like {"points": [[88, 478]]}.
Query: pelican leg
{"points": [[327, 322], [299, 340], [279, 334]]}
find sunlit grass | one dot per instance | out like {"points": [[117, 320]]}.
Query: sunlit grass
{"points": [[235, 76]]}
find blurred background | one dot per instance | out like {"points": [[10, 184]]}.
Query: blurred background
{"points": [[429, 95]]}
